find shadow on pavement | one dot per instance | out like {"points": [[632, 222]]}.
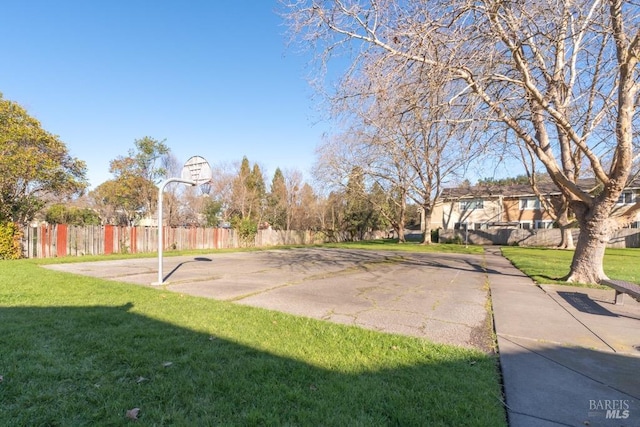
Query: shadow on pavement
{"points": [[336, 258], [177, 267], [580, 386], [583, 303]]}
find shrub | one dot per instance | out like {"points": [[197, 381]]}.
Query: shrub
{"points": [[247, 230], [455, 240], [61, 214], [10, 235]]}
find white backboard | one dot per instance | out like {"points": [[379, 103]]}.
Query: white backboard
{"points": [[197, 169]]}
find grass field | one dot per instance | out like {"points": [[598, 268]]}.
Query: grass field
{"points": [[550, 265], [83, 351]]}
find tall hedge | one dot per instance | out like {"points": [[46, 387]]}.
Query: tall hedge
{"points": [[10, 235]]}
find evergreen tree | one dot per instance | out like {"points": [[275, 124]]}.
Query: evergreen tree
{"points": [[248, 199], [277, 201], [257, 194]]}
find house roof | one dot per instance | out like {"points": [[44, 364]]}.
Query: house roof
{"points": [[545, 186]]}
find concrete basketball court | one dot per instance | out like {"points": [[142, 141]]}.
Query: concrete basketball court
{"points": [[441, 297]]}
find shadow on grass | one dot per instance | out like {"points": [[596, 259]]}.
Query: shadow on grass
{"points": [[89, 365]]}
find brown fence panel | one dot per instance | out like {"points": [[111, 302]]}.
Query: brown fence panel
{"points": [[43, 241], [47, 238], [61, 240], [108, 239], [217, 238], [133, 240]]}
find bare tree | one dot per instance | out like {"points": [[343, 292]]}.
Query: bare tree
{"points": [[558, 208], [293, 182], [561, 74], [223, 176], [406, 134], [308, 210], [172, 203]]}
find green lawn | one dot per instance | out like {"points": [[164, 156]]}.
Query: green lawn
{"points": [[83, 351], [550, 265]]}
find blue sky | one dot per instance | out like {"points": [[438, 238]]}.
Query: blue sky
{"points": [[215, 78]]}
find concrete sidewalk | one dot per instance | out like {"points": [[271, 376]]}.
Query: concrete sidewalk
{"points": [[569, 356]]}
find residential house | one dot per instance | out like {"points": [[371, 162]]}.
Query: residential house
{"points": [[630, 196], [524, 209], [483, 207], [465, 208]]}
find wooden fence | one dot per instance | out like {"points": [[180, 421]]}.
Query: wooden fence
{"points": [[61, 240]]}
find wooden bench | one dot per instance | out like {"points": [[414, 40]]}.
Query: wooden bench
{"points": [[622, 288]]}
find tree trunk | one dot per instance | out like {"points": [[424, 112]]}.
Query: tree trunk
{"points": [[588, 258], [400, 230], [401, 218], [566, 236], [426, 235]]}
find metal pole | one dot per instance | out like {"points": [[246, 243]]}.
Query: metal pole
{"points": [[160, 220]]}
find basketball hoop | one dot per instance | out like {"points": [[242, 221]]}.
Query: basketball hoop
{"points": [[196, 171], [205, 188]]}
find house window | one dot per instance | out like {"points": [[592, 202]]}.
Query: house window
{"points": [[529, 203], [525, 225], [626, 198], [544, 224], [467, 205], [460, 226]]}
